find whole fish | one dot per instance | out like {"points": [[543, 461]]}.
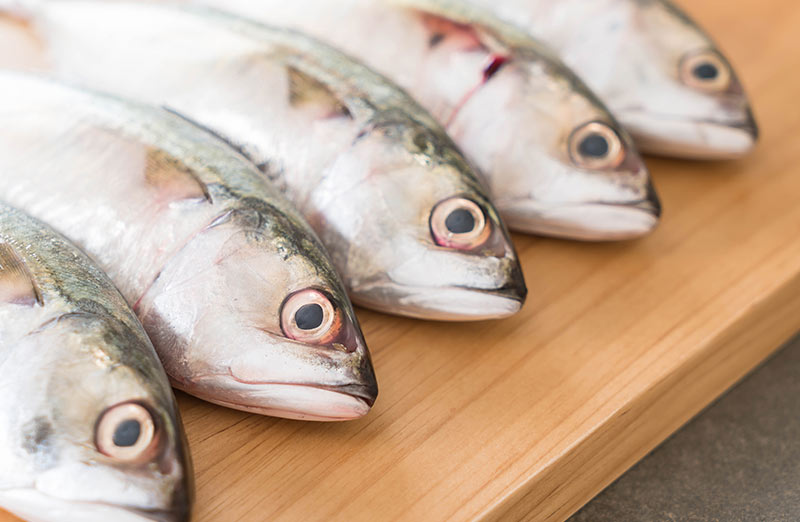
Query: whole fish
{"points": [[237, 294], [556, 161], [89, 428], [662, 75]]}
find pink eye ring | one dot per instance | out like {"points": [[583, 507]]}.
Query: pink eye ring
{"points": [[596, 146], [126, 433], [309, 316], [705, 71], [459, 223]]}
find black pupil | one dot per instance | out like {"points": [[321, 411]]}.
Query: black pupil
{"points": [[594, 146], [127, 433], [706, 71], [460, 221], [309, 316]]}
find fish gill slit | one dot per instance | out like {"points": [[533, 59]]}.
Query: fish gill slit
{"points": [[496, 63]]}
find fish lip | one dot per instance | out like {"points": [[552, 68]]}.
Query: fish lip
{"points": [[365, 392], [504, 302], [162, 515], [656, 133], [515, 289], [178, 513], [612, 221]]}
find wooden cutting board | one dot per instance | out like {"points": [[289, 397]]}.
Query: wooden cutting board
{"points": [[618, 346]]}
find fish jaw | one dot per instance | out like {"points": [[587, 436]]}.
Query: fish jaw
{"points": [[436, 283], [456, 304], [693, 139], [436, 302], [587, 221], [293, 401], [31, 504]]}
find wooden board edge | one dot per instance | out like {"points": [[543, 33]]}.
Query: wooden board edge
{"points": [[634, 431]]}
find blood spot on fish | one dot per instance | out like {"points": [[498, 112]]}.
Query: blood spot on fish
{"points": [[497, 62]]}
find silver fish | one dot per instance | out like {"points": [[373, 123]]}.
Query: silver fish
{"points": [[372, 172], [237, 294], [89, 428], [556, 160], [662, 75]]}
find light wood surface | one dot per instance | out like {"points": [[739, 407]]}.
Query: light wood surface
{"points": [[618, 346]]}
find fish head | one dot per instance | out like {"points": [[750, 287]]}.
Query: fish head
{"points": [[558, 162], [417, 234], [256, 319], [100, 437], [684, 97]]}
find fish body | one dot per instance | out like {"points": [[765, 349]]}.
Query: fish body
{"points": [[89, 428], [663, 77], [233, 287], [371, 170], [556, 161]]}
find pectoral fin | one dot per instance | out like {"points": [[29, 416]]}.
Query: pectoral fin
{"points": [[304, 90], [174, 180], [16, 282]]}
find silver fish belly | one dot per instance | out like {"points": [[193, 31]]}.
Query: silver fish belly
{"points": [[556, 160], [373, 173], [662, 75], [89, 428], [233, 287]]}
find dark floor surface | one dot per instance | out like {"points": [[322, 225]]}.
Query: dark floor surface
{"points": [[739, 460]]}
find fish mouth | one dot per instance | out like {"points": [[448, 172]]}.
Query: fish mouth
{"points": [[160, 515], [300, 401], [34, 504], [454, 303], [702, 139], [590, 221]]}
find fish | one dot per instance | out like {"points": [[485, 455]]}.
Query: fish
{"points": [[556, 160], [235, 290], [373, 173], [662, 75], [89, 428]]}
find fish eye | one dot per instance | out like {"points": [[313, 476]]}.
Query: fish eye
{"points": [[459, 223], [705, 71], [126, 432], [310, 316], [596, 145]]}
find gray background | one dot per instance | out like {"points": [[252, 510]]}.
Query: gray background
{"points": [[738, 460]]}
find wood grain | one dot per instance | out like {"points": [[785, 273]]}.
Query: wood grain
{"points": [[618, 346]]}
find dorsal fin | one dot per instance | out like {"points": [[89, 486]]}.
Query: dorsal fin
{"points": [[305, 90], [16, 282], [174, 180]]}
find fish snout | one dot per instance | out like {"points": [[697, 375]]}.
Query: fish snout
{"points": [[366, 391], [732, 135]]}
